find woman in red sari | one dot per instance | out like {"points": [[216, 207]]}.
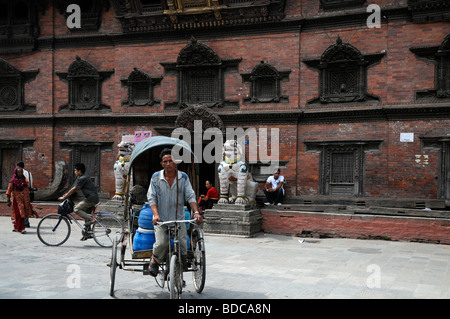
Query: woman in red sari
{"points": [[18, 194]]}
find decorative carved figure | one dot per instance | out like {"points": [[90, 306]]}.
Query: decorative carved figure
{"points": [[121, 167], [236, 183]]}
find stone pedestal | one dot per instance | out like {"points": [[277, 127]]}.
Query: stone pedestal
{"points": [[239, 220], [113, 206]]}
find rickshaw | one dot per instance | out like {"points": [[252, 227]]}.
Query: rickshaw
{"points": [[143, 163]]}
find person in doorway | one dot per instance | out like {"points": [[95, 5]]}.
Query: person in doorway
{"points": [[274, 190], [169, 188], [18, 196], [29, 178], [212, 196], [85, 184]]}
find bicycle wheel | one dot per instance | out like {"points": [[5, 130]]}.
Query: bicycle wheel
{"points": [[106, 228], [113, 267], [53, 230], [199, 266], [176, 284]]}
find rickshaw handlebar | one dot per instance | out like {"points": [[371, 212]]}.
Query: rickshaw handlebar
{"points": [[192, 221]]}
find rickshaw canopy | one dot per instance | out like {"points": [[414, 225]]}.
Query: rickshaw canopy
{"points": [[158, 141]]}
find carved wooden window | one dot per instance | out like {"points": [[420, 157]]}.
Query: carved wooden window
{"points": [[11, 151], [200, 73], [85, 83], [440, 57], [265, 83], [426, 11], [341, 166], [201, 79], [90, 154], [443, 69], [343, 170], [19, 25], [90, 157], [9, 156], [202, 86], [441, 143], [12, 88], [140, 88], [343, 74]]}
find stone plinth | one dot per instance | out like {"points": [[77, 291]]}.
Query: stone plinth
{"points": [[239, 220]]}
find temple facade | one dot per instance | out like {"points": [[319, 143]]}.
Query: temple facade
{"points": [[354, 95]]}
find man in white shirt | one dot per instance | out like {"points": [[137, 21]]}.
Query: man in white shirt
{"points": [[274, 190]]}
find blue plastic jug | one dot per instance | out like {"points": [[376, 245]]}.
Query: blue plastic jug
{"points": [[187, 216], [143, 239], [145, 217]]}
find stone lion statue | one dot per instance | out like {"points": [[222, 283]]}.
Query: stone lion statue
{"points": [[236, 183], [121, 167]]}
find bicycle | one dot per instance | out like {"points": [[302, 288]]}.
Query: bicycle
{"points": [[172, 270], [55, 229]]}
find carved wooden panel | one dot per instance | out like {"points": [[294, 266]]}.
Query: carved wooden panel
{"points": [[200, 74], [12, 87], [343, 74], [342, 170], [440, 56], [140, 88], [85, 83], [90, 157], [265, 83]]}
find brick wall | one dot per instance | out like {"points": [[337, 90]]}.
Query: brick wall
{"points": [[305, 224], [391, 171]]}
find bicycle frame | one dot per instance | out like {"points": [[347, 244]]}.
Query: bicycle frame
{"points": [[173, 232], [71, 218]]}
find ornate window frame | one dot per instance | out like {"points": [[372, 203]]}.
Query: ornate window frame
{"points": [[85, 83], [195, 62], [265, 81], [12, 87], [343, 74], [19, 34], [353, 186], [440, 57], [140, 88]]}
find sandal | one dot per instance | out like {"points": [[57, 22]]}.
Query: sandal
{"points": [[153, 269]]}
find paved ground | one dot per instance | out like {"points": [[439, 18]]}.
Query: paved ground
{"points": [[265, 267]]}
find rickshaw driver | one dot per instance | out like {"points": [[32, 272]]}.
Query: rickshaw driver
{"points": [[162, 197]]}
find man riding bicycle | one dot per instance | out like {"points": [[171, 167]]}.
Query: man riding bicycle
{"points": [[167, 188], [85, 184]]}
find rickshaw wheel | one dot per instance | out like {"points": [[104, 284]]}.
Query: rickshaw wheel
{"points": [[199, 262], [113, 266], [175, 287]]}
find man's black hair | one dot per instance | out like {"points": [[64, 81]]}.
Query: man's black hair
{"points": [[80, 167], [21, 164], [164, 152]]}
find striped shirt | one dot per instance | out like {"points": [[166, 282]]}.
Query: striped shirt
{"points": [[164, 197]]}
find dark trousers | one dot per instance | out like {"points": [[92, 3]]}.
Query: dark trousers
{"points": [[274, 197], [207, 204]]}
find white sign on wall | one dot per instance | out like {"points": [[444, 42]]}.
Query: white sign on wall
{"points": [[407, 137]]}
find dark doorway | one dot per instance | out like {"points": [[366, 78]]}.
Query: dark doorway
{"points": [[8, 159]]}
